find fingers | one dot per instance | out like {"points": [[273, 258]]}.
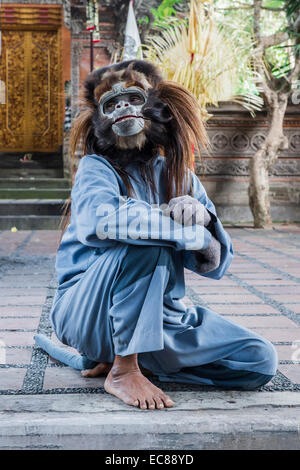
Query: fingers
{"points": [[199, 215], [188, 199], [188, 214], [177, 213]]}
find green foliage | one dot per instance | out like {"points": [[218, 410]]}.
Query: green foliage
{"points": [[220, 69], [274, 4], [276, 16], [235, 20], [144, 19], [282, 56], [292, 7], [164, 12]]}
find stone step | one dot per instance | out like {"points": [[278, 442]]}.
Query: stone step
{"points": [[30, 222], [34, 182], [36, 207], [28, 172], [31, 214], [208, 420], [46, 165], [34, 193]]}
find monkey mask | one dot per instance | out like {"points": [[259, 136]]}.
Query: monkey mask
{"points": [[130, 114], [124, 107]]}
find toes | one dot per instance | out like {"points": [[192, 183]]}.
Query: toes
{"points": [[132, 403], [158, 402], [86, 373], [167, 401], [151, 404], [101, 368], [143, 404]]}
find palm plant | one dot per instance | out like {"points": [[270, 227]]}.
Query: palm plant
{"points": [[200, 56]]}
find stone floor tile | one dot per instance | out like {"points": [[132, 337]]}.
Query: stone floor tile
{"points": [[65, 377], [12, 378]]}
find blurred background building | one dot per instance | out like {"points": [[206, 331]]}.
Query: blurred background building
{"points": [[45, 55]]}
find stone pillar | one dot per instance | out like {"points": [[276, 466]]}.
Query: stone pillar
{"points": [[76, 52]]}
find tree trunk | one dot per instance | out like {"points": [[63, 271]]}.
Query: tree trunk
{"points": [[258, 190]]}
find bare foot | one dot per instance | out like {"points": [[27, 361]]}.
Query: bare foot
{"points": [[135, 389], [101, 369]]}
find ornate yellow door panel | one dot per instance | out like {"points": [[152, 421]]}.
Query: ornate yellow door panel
{"points": [[30, 67], [12, 111]]}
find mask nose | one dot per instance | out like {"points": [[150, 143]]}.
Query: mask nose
{"points": [[122, 104]]}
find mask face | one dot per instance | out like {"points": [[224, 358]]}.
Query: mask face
{"points": [[124, 107]]}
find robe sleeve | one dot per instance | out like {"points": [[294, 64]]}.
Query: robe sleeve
{"points": [[104, 217], [217, 230]]}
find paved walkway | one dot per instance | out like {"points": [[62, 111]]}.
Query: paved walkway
{"points": [[261, 291]]}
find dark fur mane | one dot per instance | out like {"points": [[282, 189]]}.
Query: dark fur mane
{"points": [[172, 125]]}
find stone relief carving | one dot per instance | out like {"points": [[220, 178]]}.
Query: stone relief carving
{"points": [[240, 167], [228, 142], [257, 140], [239, 141], [285, 167], [294, 142], [219, 141]]}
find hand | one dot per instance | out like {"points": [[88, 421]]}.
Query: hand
{"points": [[187, 210], [209, 258]]}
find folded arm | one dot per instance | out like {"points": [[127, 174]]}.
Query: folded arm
{"points": [[104, 217], [214, 260]]}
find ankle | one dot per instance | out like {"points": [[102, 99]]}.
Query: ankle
{"points": [[125, 365], [120, 371]]}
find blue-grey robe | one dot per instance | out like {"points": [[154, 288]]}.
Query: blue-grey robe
{"points": [[120, 288]]}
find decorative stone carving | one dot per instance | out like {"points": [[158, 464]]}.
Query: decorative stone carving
{"points": [[227, 142], [213, 166], [240, 167], [257, 140], [294, 142], [219, 141], [286, 167], [240, 141]]}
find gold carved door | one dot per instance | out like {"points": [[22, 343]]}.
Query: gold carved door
{"points": [[31, 76]]}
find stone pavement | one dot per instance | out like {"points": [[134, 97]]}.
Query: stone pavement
{"points": [[41, 401]]}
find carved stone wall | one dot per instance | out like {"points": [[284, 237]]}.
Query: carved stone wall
{"points": [[235, 136]]}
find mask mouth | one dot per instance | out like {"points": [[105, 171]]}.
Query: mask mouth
{"points": [[128, 116]]}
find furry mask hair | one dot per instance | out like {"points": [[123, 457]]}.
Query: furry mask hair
{"points": [[171, 124]]}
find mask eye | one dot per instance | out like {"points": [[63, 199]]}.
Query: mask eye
{"points": [[109, 106], [137, 99]]}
